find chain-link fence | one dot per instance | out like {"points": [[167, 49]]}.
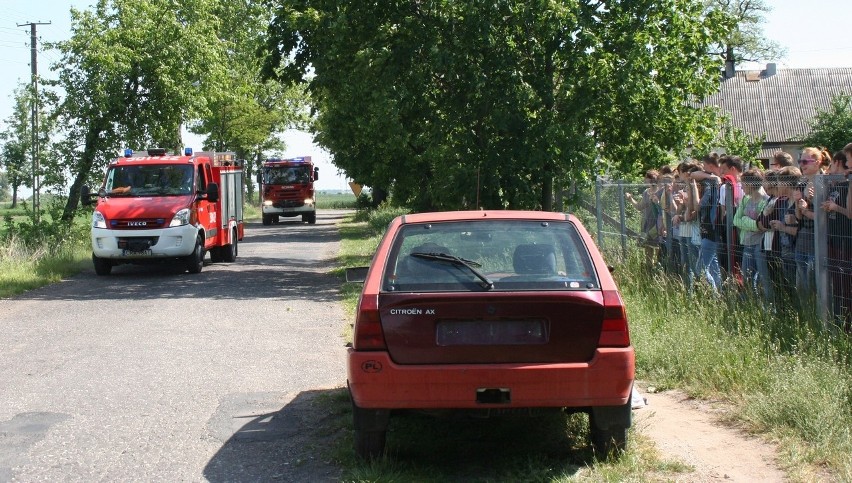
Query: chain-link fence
{"points": [[781, 253]]}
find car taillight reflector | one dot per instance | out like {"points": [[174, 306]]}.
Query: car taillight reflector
{"points": [[614, 331], [368, 326]]}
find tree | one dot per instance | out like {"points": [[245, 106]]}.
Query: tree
{"points": [[247, 116], [460, 103], [718, 132], [745, 42], [832, 128], [5, 188], [132, 73], [18, 140]]}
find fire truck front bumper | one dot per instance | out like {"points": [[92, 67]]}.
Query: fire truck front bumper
{"points": [[284, 208], [172, 242]]}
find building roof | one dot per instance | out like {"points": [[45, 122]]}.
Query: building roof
{"points": [[780, 103]]}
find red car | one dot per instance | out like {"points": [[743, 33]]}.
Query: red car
{"points": [[486, 311]]}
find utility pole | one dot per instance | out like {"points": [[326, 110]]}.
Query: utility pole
{"points": [[35, 146]]}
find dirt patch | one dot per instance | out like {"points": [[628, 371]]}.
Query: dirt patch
{"points": [[693, 433]]}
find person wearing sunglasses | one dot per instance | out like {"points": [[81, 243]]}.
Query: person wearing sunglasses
{"points": [[810, 162]]}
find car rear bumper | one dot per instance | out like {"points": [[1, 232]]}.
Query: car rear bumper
{"points": [[375, 381]]}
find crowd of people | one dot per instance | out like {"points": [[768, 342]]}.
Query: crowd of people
{"points": [[715, 220]]}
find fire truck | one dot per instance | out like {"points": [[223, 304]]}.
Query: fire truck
{"points": [[155, 207], [287, 189]]}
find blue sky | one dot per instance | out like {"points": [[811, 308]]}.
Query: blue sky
{"points": [[814, 33]]}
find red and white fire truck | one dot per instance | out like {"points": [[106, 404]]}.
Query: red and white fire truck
{"points": [[287, 189], [159, 207]]}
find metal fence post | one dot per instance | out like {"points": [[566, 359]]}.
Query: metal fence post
{"points": [[598, 212], [821, 268], [730, 242]]}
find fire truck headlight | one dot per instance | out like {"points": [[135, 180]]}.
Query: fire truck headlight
{"points": [[309, 201], [98, 220], [181, 218], [267, 202]]}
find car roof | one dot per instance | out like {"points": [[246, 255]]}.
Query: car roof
{"points": [[473, 215]]}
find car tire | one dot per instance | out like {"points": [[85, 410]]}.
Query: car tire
{"points": [[195, 261], [229, 252], [608, 430], [371, 429], [267, 220], [312, 218], [370, 445], [216, 254], [103, 266]]}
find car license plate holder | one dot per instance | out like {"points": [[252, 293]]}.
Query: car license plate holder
{"points": [[135, 253], [491, 332]]}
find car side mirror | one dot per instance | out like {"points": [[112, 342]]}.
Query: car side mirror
{"points": [[356, 274], [316, 174], [212, 192], [610, 268]]}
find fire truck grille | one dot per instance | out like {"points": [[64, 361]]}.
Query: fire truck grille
{"points": [[137, 243], [138, 224], [288, 203]]}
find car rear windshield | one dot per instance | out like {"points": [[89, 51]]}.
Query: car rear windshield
{"points": [[499, 255]]}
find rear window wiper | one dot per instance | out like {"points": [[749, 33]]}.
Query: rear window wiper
{"points": [[461, 262]]}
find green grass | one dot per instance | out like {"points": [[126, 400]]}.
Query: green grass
{"points": [[328, 201], [786, 377], [23, 268], [783, 375]]}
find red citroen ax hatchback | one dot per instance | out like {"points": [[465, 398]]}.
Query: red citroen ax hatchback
{"points": [[486, 311]]}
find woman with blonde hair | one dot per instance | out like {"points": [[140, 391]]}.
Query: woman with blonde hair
{"points": [[811, 163]]}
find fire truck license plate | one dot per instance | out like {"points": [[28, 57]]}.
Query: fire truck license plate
{"points": [[131, 253]]}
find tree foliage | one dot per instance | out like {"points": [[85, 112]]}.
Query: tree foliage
{"points": [[832, 128], [131, 74], [457, 104], [745, 41], [17, 152], [251, 112]]}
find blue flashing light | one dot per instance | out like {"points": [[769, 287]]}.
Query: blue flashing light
{"points": [[128, 153], [187, 151]]}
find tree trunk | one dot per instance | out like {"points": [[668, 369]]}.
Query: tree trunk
{"points": [[547, 192], [87, 160]]}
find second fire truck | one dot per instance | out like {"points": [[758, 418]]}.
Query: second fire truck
{"points": [[287, 189]]}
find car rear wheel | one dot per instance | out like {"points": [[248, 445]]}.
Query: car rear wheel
{"points": [[195, 261], [229, 252], [370, 445], [608, 430], [102, 265], [267, 220], [215, 254], [371, 428]]}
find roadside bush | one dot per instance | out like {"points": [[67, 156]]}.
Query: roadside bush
{"points": [[379, 219]]}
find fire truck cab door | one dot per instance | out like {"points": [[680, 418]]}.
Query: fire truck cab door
{"points": [[207, 211]]}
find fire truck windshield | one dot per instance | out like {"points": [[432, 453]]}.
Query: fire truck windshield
{"points": [[287, 175], [150, 180]]}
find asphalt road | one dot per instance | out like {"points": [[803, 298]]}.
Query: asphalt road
{"points": [[147, 375]]}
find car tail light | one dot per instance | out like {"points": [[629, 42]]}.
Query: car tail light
{"points": [[368, 325], [614, 328]]}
